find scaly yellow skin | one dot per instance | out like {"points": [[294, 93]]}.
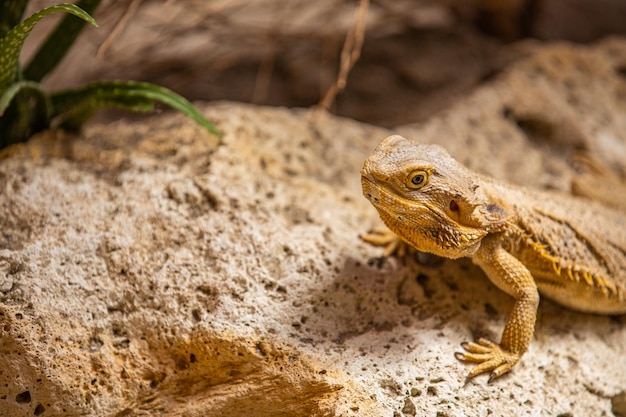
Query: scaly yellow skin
{"points": [[570, 250]]}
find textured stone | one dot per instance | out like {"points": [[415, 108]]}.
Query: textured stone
{"points": [[155, 271]]}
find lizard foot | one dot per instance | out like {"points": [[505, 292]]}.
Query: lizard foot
{"points": [[381, 236], [490, 357]]}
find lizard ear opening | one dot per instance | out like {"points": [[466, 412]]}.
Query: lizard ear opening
{"points": [[492, 216]]}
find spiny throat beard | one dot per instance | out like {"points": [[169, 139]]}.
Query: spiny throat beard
{"points": [[439, 238]]}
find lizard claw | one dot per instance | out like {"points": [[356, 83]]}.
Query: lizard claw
{"points": [[490, 357], [381, 236]]}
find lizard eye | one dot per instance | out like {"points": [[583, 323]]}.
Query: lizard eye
{"points": [[417, 179]]}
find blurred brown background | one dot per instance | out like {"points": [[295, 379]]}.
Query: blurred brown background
{"points": [[418, 55]]}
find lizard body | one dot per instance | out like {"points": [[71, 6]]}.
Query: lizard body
{"points": [[569, 249]]}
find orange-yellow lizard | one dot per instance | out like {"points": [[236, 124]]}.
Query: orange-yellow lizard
{"points": [[570, 250]]}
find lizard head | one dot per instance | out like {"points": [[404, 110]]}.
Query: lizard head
{"points": [[429, 199]]}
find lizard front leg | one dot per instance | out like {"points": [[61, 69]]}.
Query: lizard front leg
{"points": [[382, 236], [511, 276]]}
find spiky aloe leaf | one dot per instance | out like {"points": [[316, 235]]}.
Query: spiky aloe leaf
{"points": [[15, 88], [58, 42], [24, 109], [11, 44], [11, 12], [75, 106]]}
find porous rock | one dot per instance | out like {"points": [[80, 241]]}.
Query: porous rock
{"points": [[148, 269]]}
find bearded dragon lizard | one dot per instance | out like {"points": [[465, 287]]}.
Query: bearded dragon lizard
{"points": [[568, 249]]}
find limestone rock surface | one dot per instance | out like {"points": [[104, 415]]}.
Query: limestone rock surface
{"points": [[148, 269]]}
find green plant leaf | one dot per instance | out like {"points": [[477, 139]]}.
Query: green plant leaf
{"points": [[24, 110], [75, 106], [11, 44], [11, 12], [58, 42], [10, 93], [75, 116]]}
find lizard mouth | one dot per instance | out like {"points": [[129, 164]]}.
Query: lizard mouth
{"points": [[424, 226], [368, 184]]}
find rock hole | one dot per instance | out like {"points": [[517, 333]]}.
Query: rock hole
{"points": [[533, 126], [260, 351], [205, 289], [95, 344], [491, 311], [39, 410], [197, 316], [409, 408], [125, 412], [122, 344], [118, 331], [423, 281], [23, 397], [211, 200], [621, 71], [182, 364], [618, 404], [192, 358], [452, 286]]}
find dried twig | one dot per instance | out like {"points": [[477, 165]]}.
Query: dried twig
{"points": [[263, 80], [119, 28], [349, 55]]}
